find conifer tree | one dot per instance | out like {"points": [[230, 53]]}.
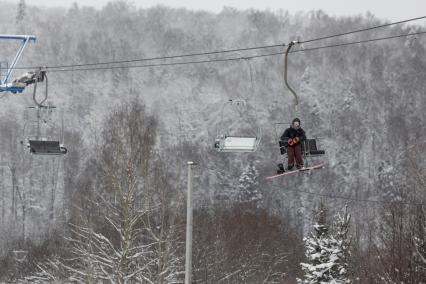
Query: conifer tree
{"points": [[327, 252], [420, 244], [342, 245], [248, 189]]}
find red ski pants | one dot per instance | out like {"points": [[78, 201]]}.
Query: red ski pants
{"points": [[295, 152]]}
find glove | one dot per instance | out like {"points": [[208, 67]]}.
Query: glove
{"points": [[293, 141]]}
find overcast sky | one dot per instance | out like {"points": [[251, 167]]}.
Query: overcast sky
{"points": [[393, 10]]}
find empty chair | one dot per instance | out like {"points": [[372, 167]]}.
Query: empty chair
{"points": [[239, 139], [40, 147], [41, 134], [241, 132], [237, 144]]}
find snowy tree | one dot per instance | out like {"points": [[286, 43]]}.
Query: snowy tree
{"points": [[132, 240], [420, 237], [118, 258], [342, 244], [248, 188], [50, 271], [130, 248], [420, 245], [235, 245], [327, 251]]}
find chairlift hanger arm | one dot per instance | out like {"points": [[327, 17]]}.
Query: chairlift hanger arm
{"points": [[40, 76], [290, 45]]}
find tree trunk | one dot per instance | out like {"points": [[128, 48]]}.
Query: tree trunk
{"points": [[24, 209], [54, 184], [3, 211], [13, 209]]}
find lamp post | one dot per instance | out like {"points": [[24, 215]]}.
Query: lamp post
{"points": [[188, 253]]}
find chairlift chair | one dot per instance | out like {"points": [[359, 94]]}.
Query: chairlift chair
{"points": [[42, 133], [227, 142], [310, 147], [46, 147], [236, 144]]}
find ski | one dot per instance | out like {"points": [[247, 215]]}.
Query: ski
{"points": [[315, 167]]}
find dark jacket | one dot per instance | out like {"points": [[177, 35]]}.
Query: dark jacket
{"points": [[291, 133]]}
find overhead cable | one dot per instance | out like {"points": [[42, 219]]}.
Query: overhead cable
{"points": [[224, 51], [331, 196], [231, 58], [363, 30]]}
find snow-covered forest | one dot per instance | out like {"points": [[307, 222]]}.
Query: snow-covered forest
{"points": [[113, 209]]}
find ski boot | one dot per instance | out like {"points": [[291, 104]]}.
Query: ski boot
{"points": [[280, 169]]}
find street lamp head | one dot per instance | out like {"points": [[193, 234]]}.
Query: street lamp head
{"points": [[190, 163]]}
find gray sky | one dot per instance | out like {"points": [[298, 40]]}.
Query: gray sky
{"points": [[393, 10]]}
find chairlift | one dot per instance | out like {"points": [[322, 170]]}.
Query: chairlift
{"points": [[229, 141], [226, 141], [14, 86], [42, 134], [309, 147]]}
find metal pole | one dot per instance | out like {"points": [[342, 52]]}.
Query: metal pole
{"points": [[188, 254]]}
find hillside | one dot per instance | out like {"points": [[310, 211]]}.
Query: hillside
{"points": [[364, 102]]}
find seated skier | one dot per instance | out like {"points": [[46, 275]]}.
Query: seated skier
{"points": [[292, 137]]}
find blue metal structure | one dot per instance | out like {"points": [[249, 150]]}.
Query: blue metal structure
{"points": [[5, 86]]}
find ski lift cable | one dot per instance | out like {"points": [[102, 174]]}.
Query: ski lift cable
{"points": [[331, 196], [360, 41], [350, 198], [164, 57], [363, 30], [226, 50], [235, 58]]}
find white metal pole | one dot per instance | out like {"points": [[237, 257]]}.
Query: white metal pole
{"points": [[188, 254]]}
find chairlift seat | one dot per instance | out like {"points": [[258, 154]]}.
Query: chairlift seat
{"points": [[40, 147], [309, 148], [236, 144]]}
